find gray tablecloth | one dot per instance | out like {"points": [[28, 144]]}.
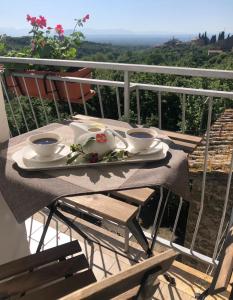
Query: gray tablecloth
{"points": [[28, 192]]}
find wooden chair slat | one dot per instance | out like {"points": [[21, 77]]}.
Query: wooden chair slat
{"points": [[185, 146], [126, 280], [31, 280], [38, 259], [183, 137], [63, 287], [139, 196], [130, 294], [104, 206]]}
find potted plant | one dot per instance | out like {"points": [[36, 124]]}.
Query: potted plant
{"points": [[44, 44]]}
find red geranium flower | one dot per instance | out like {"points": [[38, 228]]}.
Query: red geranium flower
{"points": [[101, 138], [33, 21], [43, 21], [40, 22], [28, 18], [87, 17], [59, 29]]}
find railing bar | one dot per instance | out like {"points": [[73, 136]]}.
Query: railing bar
{"points": [[183, 250], [183, 112], [55, 102], [224, 207], [177, 219], [160, 220], [41, 100], [73, 79], [83, 99], [221, 246], [138, 105], [100, 101], [68, 98], [9, 102], [156, 88], [30, 102], [20, 104], [211, 268], [126, 94], [118, 102], [184, 90], [160, 109], [184, 71], [204, 173]]}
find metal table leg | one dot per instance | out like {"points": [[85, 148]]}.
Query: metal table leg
{"points": [[52, 209]]}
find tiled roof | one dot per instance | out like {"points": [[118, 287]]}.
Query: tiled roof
{"points": [[220, 147]]}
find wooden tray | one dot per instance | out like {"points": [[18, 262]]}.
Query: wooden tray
{"points": [[61, 164]]}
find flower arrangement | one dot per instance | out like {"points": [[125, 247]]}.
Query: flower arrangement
{"points": [[78, 152], [49, 42]]}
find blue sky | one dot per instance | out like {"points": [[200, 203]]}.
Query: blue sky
{"points": [[179, 16]]}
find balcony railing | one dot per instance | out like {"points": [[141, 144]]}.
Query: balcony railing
{"points": [[126, 88]]}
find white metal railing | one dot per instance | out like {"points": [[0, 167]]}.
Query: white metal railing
{"points": [[129, 88]]}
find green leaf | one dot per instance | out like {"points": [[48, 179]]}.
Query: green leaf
{"points": [[70, 158]]}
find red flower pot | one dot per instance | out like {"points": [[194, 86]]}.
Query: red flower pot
{"points": [[47, 89]]}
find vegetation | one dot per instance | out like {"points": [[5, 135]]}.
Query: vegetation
{"points": [[221, 41], [173, 53]]}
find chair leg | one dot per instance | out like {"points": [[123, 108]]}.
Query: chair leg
{"points": [[126, 240], [139, 211], [72, 225], [137, 232], [203, 295], [51, 212]]}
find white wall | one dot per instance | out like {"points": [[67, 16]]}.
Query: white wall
{"points": [[13, 237], [4, 132]]}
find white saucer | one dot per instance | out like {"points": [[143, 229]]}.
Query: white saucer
{"points": [[154, 148], [30, 155], [157, 146]]}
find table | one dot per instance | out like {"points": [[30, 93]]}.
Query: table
{"points": [[28, 192]]}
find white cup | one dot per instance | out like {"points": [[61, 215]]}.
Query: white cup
{"points": [[44, 149], [141, 143]]}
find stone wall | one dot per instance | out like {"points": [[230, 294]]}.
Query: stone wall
{"points": [[221, 140], [213, 207]]}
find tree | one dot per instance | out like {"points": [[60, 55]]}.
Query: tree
{"points": [[221, 36], [213, 39]]}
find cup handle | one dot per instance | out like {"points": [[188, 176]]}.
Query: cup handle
{"points": [[119, 136], [158, 141]]}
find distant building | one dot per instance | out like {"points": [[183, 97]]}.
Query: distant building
{"points": [[214, 51]]}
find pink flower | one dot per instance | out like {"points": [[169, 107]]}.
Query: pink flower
{"points": [[28, 18], [59, 29], [33, 21], [87, 17], [43, 21], [40, 22]]}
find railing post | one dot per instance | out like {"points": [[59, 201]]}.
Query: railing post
{"points": [[126, 94], [183, 113], [5, 131], [160, 109]]}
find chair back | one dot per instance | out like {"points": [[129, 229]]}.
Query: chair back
{"points": [[138, 282]]}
